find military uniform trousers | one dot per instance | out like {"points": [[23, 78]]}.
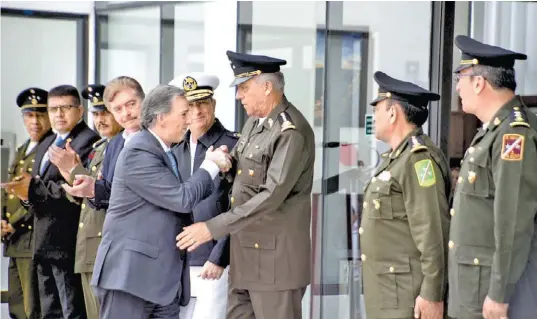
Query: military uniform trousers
{"points": [[22, 289], [246, 304], [90, 300]]}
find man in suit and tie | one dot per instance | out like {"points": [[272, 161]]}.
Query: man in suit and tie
{"points": [[56, 217], [123, 97], [138, 271], [208, 271], [17, 223]]}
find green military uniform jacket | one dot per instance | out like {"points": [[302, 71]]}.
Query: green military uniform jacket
{"points": [[270, 213], [19, 243], [404, 229], [494, 208], [91, 222]]}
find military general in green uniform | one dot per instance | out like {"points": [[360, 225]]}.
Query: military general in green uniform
{"points": [[270, 215], [492, 263], [16, 221], [405, 219], [91, 220]]}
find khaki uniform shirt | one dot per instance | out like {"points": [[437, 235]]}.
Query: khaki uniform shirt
{"points": [[18, 244], [494, 211], [91, 221], [404, 229], [270, 214]]}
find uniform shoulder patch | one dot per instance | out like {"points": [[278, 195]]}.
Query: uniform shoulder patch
{"points": [[512, 147], [286, 122], [416, 144], [425, 173], [519, 117], [99, 142]]}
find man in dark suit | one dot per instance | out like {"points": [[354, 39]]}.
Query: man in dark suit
{"points": [[138, 271], [123, 97], [56, 218], [17, 223], [208, 272]]}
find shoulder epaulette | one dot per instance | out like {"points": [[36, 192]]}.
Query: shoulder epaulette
{"points": [[233, 134], [519, 118], [416, 144], [99, 142], [286, 122]]}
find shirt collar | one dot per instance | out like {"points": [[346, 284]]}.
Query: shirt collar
{"points": [[164, 146]]}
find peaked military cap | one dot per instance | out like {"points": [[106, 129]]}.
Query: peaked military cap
{"points": [[197, 85], [245, 66], [94, 93], [474, 52], [390, 88], [33, 100]]}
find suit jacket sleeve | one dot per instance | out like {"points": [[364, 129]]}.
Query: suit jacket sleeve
{"points": [[426, 204], [288, 163], [103, 187], [147, 175], [514, 215], [220, 253], [49, 195]]}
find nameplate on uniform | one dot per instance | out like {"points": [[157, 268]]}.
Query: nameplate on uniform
{"points": [[512, 147], [425, 173]]}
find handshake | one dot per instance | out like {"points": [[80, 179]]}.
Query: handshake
{"points": [[220, 157]]}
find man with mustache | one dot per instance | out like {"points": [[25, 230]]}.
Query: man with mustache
{"points": [[91, 220], [17, 222]]}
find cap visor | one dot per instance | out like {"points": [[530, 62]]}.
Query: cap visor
{"points": [[462, 67], [97, 108], [238, 81], [378, 99]]}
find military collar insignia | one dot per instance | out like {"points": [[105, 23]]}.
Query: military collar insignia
{"points": [[286, 122], [416, 144]]}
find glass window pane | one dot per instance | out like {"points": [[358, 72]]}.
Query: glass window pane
{"points": [[130, 45], [189, 38]]}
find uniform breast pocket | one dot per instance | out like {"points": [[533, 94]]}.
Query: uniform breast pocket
{"points": [[476, 180], [381, 203], [253, 170], [473, 271]]}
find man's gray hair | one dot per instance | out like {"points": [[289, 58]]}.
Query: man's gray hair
{"points": [[277, 79], [158, 101]]}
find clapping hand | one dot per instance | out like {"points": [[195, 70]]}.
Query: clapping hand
{"points": [[19, 186]]}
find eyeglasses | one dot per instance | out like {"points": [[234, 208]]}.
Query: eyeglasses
{"points": [[457, 76], [63, 108]]}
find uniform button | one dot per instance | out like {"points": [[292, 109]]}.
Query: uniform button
{"points": [[29, 227], [33, 161], [11, 196], [23, 225], [392, 269], [29, 169], [256, 245], [250, 156], [451, 244], [360, 230], [21, 162], [476, 261], [81, 225], [462, 161], [452, 212], [8, 215], [365, 205], [251, 172], [471, 159], [376, 202], [99, 234], [378, 188], [83, 206], [363, 257], [94, 168], [460, 179], [37, 177], [471, 150], [239, 172], [374, 179], [257, 146], [232, 200]]}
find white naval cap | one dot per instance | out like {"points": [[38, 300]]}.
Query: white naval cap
{"points": [[197, 85]]}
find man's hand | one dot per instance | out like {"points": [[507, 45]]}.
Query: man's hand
{"points": [[19, 186], [83, 186], [6, 228], [193, 236], [211, 271], [425, 309], [494, 310], [219, 157], [65, 159]]}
